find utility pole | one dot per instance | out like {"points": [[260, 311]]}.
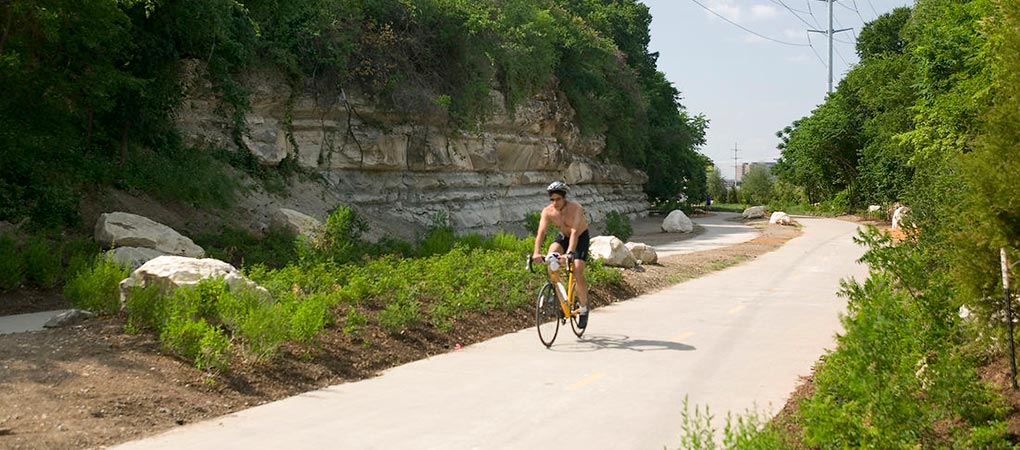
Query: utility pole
{"points": [[734, 165], [829, 34]]}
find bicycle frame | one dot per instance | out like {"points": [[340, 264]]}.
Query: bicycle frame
{"points": [[554, 277]]}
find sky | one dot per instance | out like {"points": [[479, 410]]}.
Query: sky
{"points": [[746, 83]]}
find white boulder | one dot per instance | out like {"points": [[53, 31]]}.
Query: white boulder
{"points": [[754, 212], [677, 222], [780, 218], [298, 222], [134, 257], [643, 252], [172, 272], [611, 251], [123, 229], [898, 215], [874, 208]]}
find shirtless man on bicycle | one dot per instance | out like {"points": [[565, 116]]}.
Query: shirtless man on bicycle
{"points": [[573, 238]]}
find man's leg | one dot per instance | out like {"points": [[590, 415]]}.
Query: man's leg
{"points": [[581, 284], [582, 292]]}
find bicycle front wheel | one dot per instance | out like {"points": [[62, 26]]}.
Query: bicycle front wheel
{"points": [[547, 314]]}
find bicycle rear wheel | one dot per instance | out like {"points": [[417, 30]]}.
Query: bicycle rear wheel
{"points": [[574, 306], [547, 314]]}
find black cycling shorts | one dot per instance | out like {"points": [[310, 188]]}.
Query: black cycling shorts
{"points": [[583, 241]]}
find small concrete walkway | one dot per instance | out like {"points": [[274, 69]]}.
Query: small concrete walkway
{"points": [[719, 232], [26, 322]]}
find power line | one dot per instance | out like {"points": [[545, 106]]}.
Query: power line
{"points": [[813, 49], [795, 13], [745, 28], [858, 11], [872, 5]]}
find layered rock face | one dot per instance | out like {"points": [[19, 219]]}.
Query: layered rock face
{"points": [[401, 171]]}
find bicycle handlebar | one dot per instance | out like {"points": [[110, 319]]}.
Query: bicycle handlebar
{"points": [[548, 258]]}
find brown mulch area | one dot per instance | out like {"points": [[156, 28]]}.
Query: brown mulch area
{"points": [[94, 385]]}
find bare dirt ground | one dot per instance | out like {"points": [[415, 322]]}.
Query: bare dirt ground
{"points": [[93, 385]]}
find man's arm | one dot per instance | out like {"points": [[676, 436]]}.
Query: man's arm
{"points": [[543, 223]]}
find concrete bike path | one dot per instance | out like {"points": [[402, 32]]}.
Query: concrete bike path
{"points": [[730, 340]]}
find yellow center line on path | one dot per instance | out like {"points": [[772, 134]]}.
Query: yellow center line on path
{"points": [[736, 309], [682, 336], [588, 380]]}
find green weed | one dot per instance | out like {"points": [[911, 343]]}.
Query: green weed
{"points": [[12, 265], [619, 225], [96, 288]]}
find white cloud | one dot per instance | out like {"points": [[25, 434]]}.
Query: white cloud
{"points": [[764, 11], [725, 8]]}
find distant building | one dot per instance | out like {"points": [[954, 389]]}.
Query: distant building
{"points": [[746, 167]]}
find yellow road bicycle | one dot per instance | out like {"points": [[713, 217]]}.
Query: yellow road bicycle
{"points": [[556, 302]]}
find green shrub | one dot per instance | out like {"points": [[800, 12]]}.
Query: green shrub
{"points": [[147, 308], [439, 237], [198, 341], [240, 248], [619, 225], [12, 265], [340, 239], [531, 221], [354, 321], [310, 316], [96, 288], [43, 262], [400, 315]]}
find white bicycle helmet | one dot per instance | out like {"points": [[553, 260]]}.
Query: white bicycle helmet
{"points": [[558, 186]]}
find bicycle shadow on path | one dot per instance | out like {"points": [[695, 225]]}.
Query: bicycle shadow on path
{"points": [[597, 342]]}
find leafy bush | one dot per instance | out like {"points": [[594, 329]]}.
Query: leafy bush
{"points": [[400, 315], [354, 321], [897, 372], [43, 262], [340, 239], [439, 237], [147, 308], [619, 225], [531, 221], [96, 288], [199, 341], [276, 249], [12, 266], [310, 316]]}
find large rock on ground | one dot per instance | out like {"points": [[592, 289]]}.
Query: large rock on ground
{"points": [[898, 215], [643, 252], [611, 251], [677, 222], [780, 218], [172, 272], [754, 212], [120, 229], [297, 222], [134, 257]]}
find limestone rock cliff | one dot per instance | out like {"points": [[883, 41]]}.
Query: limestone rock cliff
{"points": [[400, 170]]}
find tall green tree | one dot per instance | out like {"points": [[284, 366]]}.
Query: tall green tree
{"points": [[716, 184]]}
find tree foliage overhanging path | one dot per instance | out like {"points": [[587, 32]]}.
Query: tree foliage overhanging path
{"points": [[90, 88]]}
